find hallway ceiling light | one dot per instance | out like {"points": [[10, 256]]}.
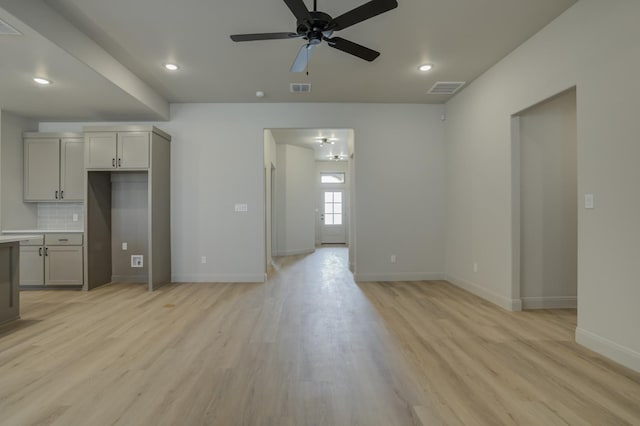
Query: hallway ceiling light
{"points": [[171, 67], [327, 141], [42, 81], [425, 67]]}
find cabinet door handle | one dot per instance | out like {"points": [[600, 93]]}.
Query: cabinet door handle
{"points": [[40, 252], [46, 251], [56, 195], [62, 195], [113, 162], [119, 162]]}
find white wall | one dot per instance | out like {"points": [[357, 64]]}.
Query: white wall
{"points": [[14, 213], [594, 46], [549, 207], [295, 200], [217, 161]]}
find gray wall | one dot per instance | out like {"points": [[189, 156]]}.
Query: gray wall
{"points": [[130, 224], [14, 213], [549, 204], [217, 156]]}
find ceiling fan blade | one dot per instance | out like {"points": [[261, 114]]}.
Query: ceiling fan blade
{"points": [[299, 10], [300, 63], [362, 13], [352, 48], [264, 36]]}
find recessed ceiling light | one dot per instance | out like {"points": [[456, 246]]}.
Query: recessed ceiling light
{"points": [[425, 67], [42, 81], [172, 67]]}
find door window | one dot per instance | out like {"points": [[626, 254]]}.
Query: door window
{"points": [[333, 208]]}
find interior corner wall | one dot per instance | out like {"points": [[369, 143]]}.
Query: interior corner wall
{"points": [[14, 212], [549, 207], [295, 221], [590, 46], [270, 160], [217, 160]]}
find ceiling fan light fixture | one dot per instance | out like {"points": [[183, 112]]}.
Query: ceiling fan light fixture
{"points": [[425, 67]]}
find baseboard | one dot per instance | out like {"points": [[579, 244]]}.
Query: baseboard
{"points": [[129, 278], [503, 302], [620, 354], [400, 276], [295, 252], [218, 278], [554, 302]]}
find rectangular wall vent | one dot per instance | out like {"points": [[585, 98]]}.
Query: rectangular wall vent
{"points": [[446, 87], [300, 87], [6, 29]]}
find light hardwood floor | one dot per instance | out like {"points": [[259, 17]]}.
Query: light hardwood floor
{"points": [[309, 347]]}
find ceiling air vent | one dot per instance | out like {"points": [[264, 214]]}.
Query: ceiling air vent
{"points": [[300, 87], [446, 87], [6, 29]]}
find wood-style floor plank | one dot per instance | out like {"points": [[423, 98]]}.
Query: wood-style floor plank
{"points": [[308, 347]]}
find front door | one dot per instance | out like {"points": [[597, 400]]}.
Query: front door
{"points": [[332, 218]]}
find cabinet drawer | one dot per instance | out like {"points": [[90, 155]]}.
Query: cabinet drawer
{"points": [[63, 239], [34, 242]]}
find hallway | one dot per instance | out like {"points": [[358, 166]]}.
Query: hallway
{"points": [[309, 347]]}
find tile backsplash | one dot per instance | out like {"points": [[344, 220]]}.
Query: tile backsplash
{"points": [[60, 216]]}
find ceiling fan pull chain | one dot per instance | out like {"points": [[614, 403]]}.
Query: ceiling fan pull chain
{"points": [[308, 45]]}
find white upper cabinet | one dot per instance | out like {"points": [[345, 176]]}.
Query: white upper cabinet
{"points": [[117, 150], [53, 167]]}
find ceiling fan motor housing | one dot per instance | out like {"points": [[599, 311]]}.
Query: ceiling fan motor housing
{"points": [[315, 30]]}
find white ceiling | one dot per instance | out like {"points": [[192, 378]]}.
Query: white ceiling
{"points": [[461, 38], [308, 138]]}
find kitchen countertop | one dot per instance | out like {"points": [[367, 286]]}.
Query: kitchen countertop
{"points": [[42, 231], [16, 238]]}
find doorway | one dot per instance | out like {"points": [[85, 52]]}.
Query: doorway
{"points": [[548, 203], [308, 191]]}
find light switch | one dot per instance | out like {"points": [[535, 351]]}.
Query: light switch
{"points": [[124, 246], [241, 208], [589, 202], [75, 217]]}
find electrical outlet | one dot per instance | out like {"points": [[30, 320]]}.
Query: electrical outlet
{"points": [[475, 267], [241, 208], [393, 258], [125, 246], [137, 261], [203, 259]]}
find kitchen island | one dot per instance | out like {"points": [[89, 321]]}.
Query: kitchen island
{"points": [[10, 276]]}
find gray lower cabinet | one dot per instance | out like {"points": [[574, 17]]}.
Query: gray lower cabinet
{"points": [[31, 266], [63, 265], [56, 260]]}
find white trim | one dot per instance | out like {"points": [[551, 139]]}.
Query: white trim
{"points": [[503, 302], [400, 276], [218, 278], [621, 354], [553, 302], [295, 252]]}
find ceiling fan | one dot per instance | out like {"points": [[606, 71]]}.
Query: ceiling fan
{"points": [[315, 27]]}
